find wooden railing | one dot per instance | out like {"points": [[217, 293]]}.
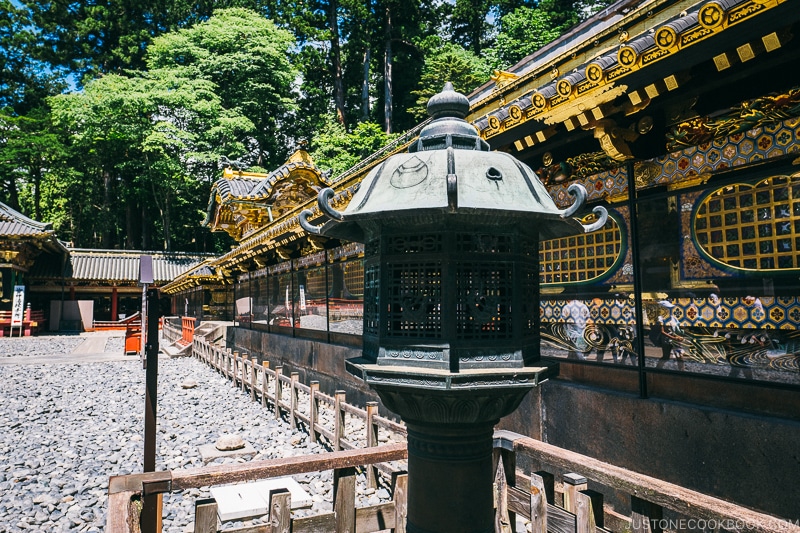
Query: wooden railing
{"points": [[135, 318], [187, 330], [300, 403], [551, 503], [32, 322], [573, 507]]}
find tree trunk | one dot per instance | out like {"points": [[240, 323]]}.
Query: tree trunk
{"points": [[36, 177], [387, 72], [130, 228], [365, 86], [145, 228], [336, 61], [105, 223]]}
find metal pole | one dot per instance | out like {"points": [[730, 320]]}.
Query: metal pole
{"points": [[637, 278], [151, 510]]}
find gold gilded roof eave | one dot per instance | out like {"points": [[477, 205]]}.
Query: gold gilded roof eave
{"points": [[586, 97], [569, 59]]}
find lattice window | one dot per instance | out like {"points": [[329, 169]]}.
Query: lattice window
{"points": [[752, 227], [354, 277], [315, 283], [371, 282], [483, 309], [471, 242], [415, 293], [410, 244], [581, 257]]}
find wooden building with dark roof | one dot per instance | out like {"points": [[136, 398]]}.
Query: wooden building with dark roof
{"points": [[681, 118], [32, 256]]}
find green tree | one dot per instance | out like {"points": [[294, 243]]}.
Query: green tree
{"points": [[527, 28], [247, 57], [336, 150], [448, 62]]}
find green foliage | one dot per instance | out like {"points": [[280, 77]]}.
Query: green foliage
{"points": [[337, 150], [247, 58], [166, 88], [448, 62], [525, 30], [154, 138]]}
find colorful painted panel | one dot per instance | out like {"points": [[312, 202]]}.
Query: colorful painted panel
{"points": [[774, 140], [748, 312]]}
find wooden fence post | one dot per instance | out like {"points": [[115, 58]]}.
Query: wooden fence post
{"points": [[645, 516], [584, 513], [280, 510], [344, 499], [538, 505], [508, 460], [338, 419], [372, 440], [573, 483], [313, 411], [294, 376], [205, 516], [400, 491], [278, 391], [243, 363], [253, 375], [264, 382], [235, 366], [502, 522]]}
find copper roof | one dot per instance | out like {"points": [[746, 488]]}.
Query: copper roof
{"points": [[118, 265], [15, 224]]}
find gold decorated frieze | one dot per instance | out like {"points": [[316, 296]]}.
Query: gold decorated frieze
{"points": [[654, 55], [558, 100], [695, 35], [689, 181], [585, 87], [617, 72], [740, 13]]}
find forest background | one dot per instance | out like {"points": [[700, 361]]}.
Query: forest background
{"points": [[115, 114]]}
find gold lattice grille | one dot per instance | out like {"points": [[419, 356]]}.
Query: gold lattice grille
{"points": [[754, 227], [580, 258]]}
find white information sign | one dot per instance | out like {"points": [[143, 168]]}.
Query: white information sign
{"points": [[302, 297], [18, 306]]}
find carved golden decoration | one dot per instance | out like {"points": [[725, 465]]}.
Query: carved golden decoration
{"points": [[589, 164], [502, 78], [614, 140], [711, 15], [666, 38], [746, 116], [645, 173], [694, 181]]}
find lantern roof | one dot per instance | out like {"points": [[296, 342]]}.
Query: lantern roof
{"points": [[449, 177]]}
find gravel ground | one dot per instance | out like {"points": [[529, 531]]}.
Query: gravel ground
{"points": [[38, 346], [67, 428]]}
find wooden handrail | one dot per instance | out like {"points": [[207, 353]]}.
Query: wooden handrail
{"points": [[686, 502]]}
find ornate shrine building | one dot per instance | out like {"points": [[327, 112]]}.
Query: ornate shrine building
{"points": [[675, 327]]}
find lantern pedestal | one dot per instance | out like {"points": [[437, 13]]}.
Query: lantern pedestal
{"points": [[450, 419]]}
